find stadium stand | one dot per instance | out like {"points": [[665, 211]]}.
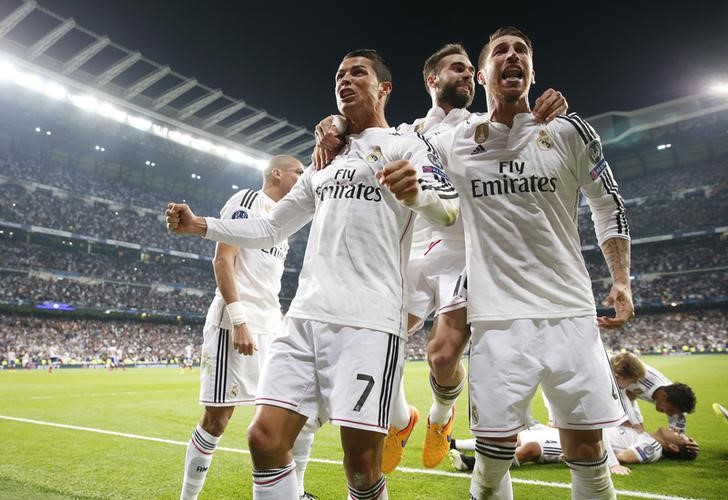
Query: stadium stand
{"points": [[81, 230]]}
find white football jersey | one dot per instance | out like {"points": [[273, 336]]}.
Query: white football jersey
{"points": [[432, 124], [257, 272], [354, 269], [645, 387], [644, 446], [519, 189]]}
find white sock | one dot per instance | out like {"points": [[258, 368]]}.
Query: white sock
{"points": [[301, 452], [591, 480], [491, 479], [400, 410], [376, 492], [443, 399], [465, 444], [275, 484], [197, 461]]}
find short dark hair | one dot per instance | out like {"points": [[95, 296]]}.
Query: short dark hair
{"points": [[681, 396], [432, 64], [503, 31], [684, 452], [381, 68]]}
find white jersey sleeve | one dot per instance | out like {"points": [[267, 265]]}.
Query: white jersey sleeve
{"points": [[596, 181], [438, 200], [291, 213], [642, 444]]}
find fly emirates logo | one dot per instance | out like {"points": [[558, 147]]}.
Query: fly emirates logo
{"points": [[342, 186], [512, 181]]}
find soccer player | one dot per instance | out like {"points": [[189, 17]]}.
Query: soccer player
{"points": [[625, 446], [437, 258], [530, 302], [242, 320], [341, 351], [672, 399], [186, 362]]}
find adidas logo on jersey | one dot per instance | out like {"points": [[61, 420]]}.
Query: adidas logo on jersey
{"points": [[478, 150]]}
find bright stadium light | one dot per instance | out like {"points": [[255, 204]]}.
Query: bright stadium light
{"points": [[55, 91], [48, 132], [37, 129], [235, 186], [663, 146], [34, 82], [719, 88], [7, 70]]}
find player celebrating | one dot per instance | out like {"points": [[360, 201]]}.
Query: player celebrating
{"points": [[672, 399], [437, 258], [341, 350], [530, 301], [243, 318]]}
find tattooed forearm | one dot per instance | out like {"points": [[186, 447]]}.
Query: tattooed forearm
{"points": [[617, 254]]}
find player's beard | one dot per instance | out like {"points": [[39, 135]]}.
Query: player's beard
{"points": [[451, 95]]}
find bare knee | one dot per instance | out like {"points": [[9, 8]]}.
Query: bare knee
{"points": [[582, 445], [362, 456], [263, 440], [215, 420]]}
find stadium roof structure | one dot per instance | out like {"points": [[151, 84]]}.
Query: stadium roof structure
{"points": [[681, 132], [45, 44]]}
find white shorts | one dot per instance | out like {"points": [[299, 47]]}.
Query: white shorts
{"points": [[227, 378], [548, 439], [347, 375], [432, 276], [509, 359]]}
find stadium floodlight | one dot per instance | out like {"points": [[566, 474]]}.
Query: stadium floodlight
{"points": [[663, 146], [109, 111], [55, 91], [719, 88], [139, 123], [48, 132], [87, 102], [37, 129], [235, 187], [29, 81]]}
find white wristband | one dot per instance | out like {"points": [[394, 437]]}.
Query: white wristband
{"points": [[236, 314]]}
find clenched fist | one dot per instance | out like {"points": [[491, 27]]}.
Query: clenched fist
{"points": [[400, 177], [181, 220]]}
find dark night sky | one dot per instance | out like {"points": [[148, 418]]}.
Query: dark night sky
{"points": [[281, 56]]}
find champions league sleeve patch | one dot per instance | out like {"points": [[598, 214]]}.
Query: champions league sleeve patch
{"points": [[595, 151], [240, 214], [598, 169], [429, 169], [434, 159]]}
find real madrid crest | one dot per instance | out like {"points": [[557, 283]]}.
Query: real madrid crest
{"points": [[375, 155], [481, 133], [419, 127], [544, 140]]}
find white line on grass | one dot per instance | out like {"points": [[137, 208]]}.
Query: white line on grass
{"points": [[95, 394], [432, 472]]}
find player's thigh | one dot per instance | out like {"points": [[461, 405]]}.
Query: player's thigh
{"points": [[503, 374], [579, 382], [288, 379], [359, 372]]}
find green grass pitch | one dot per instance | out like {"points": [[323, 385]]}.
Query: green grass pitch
{"points": [[42, 461]]}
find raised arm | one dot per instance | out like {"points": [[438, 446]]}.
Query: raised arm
{"points": [[290, 214]]}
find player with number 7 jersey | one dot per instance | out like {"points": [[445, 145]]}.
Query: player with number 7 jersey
{"points": [[340, 352]]}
